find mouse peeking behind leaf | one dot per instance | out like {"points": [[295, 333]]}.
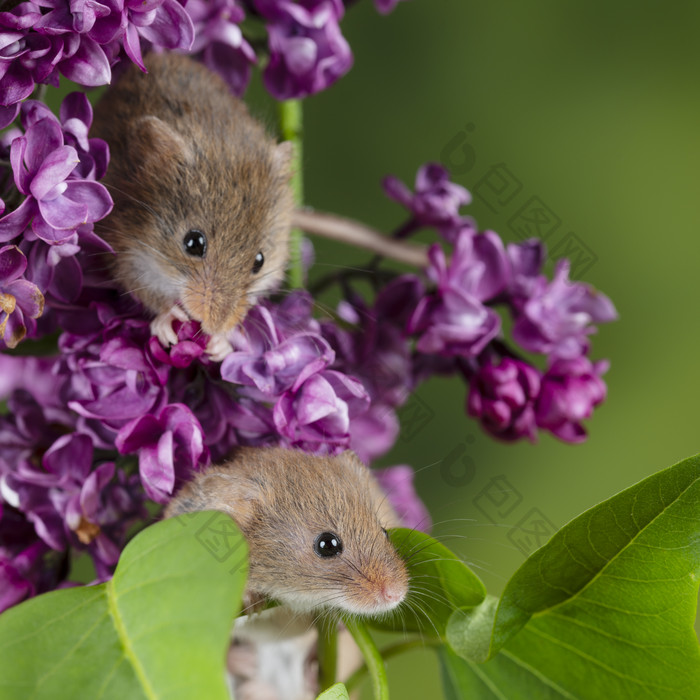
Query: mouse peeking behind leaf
{"points": [[315, 526], [202, 198]]}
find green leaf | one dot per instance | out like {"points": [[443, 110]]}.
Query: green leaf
{"points": [[605, 609], [335, 692], [159, 629], [441, 583]]}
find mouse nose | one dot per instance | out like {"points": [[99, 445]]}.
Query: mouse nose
{"points": [[393, 593]]}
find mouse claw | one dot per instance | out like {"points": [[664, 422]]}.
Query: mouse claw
{"points": [[218, 347], [162, 325]]}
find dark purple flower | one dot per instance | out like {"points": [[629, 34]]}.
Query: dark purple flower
{"points": [[170, 446], [503, 398], [436, 201], [571, 389], [20, 300], [20, 572], [397, 483], [308, 53], [315, 415], [453, 320], [55, 204], [219, 42], [557, 318], [191, 345]]}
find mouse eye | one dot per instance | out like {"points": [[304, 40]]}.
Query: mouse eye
{"points": [[259, 262], [195, 243], [327, 545]]}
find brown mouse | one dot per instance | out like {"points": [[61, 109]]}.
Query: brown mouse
{"points": [[315, 528], [202, 200]]}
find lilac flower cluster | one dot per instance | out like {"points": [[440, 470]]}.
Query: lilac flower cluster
{"points": [[55, 168], [456, 319], [82, 40]]}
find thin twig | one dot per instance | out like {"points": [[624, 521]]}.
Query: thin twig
{"points": [[338, 228]]}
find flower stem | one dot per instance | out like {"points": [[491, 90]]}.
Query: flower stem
{"points": [[290, 123], [353, 232], [327, 653], [373, 659], [394, 650]]}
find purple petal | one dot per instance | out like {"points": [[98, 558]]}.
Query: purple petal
{"points": [[92, 195], [12, 264], [55, 168], [88, 65]]}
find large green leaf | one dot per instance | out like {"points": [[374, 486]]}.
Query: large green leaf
{"points": [[158, 630], [604, 610], [441, 583]]}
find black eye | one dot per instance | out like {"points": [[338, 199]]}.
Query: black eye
{"points": [[328, 545], [195, 243], [259, 262], [386, 533]]}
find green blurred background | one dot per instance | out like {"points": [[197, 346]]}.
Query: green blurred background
{"points": [[595, 108]]}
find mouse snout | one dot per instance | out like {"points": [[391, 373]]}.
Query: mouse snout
{"points": [[217, 312], [392, 593]]}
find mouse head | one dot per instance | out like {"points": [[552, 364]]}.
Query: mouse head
{"points": [[315, 528], [202, 195]]}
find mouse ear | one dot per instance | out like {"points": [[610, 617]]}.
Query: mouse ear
{"points": [[284, 156], [159, 144]]}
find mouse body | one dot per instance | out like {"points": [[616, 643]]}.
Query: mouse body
{"points": [[202, 198], [315, 526]]}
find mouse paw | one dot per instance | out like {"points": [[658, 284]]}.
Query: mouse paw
{"points": [[162, 325], [218, 347]]}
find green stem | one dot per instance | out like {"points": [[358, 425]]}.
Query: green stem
{"points": [[327, 653], [373, 659], [290, 123], [394, 650]]}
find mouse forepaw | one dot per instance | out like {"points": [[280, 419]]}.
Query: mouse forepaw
{"points": [[218, 347], [162, 325]]}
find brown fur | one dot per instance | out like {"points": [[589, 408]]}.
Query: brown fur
{"points": [[186, 154], [281, 500]]}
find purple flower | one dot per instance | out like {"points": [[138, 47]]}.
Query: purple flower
{"points": [[21, 572], [397, 483], [571, 389], [190, 347], [55, 205], [164, 23], [503, 398], [219, 42], [315, 414], [436, 201], [557, 318], [170, 446], [26, 57], [307, 51], [454, 321], [20, 300], [526, 260]]}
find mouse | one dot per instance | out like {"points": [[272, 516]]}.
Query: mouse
{"points": [[202, 197], [316, 528]]}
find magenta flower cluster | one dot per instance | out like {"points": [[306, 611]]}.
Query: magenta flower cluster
{"points": [[457, 318], [84, 40]]}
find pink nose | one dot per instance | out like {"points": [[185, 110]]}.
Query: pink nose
{"points": [[392, 593]]}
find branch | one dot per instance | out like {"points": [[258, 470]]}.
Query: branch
{"points": [[353, 232]]}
